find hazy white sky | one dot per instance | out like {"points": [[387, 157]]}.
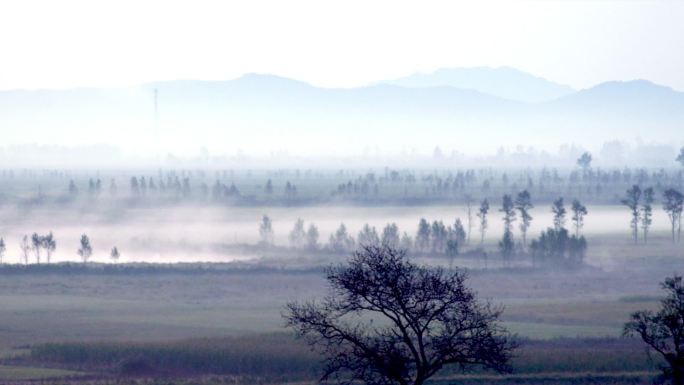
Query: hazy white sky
{"points": [[46, 44]]}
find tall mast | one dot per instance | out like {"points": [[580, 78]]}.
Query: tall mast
{"points": [[157, 145]]}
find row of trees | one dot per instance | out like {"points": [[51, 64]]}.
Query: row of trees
{"points": [[585, 182], [554, 244], [640, 203], [37, 243], [438, 238]]}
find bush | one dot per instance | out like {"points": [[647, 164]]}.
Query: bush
{"points": [[558, 248]]}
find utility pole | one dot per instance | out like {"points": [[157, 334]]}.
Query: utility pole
{"points": [[157, 144]]}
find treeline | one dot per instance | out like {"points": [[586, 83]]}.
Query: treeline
{"points": [[36, 244], [556, 244], [300, 187], [434, 237]]}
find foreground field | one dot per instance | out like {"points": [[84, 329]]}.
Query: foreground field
{"points": [[223, 321], [43, 307], [215, 323], [277, 358]]}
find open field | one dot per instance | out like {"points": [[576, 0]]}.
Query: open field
{"points": [[132, 306], [195, 298], [49, 307]]}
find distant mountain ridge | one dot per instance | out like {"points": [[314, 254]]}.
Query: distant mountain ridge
{"points": [[504, 82], [258, 112]]}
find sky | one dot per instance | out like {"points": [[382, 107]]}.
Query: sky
{"points": [[65, 44]]}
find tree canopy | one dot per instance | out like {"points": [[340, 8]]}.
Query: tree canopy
{"points": [[388, 321]]}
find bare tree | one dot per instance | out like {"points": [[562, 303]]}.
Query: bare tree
{"points": [[469, 215], [36, 245], [86, 249], [523, 203], [647, 211], [368, 236], [508, 211], [406, 242], [578, 213], [428, 319], [482, 214], [340, 241], [458, 233], [673, 206], [114, 254], [662, 331], [312, 237], [390, 236], [3, 248], [558, 210], [266, 230], [298, 234], [632, 202], [25, 248], [438, 236], [507, 245], [50, 245], [584, 161], [423, 235]]}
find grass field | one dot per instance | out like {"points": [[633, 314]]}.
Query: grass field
{"points": [[571, 318]]}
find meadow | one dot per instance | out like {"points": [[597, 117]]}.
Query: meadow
{"points": [[197, 296]]}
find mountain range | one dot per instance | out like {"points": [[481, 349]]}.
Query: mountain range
{"points": [[471, 110]]}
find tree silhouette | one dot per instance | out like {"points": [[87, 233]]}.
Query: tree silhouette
{"points": [[390, 236], [312, 237], [523, 203], [507, 245], [469, 216], [558, 210], [24, 247], [297, 236], [673, 206], [114, 254], [36, 245], [3, 248], [632, 202], [584, 161], [86, 249], [50, 245], [647, 211], [438, 236], [458, 233], [266, 230], [451, 251], [662, 331], [482, 214], [423, 235], [341, 241], [368, 236], [427, 319], [578, 213]]}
